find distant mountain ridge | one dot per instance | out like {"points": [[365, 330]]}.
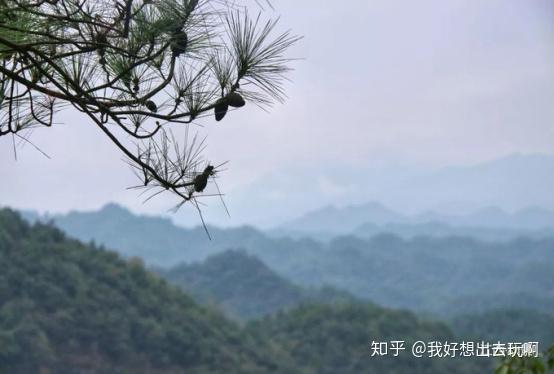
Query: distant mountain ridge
{"points": [[512, 182], [342, 220], [373, 217], [155, 239], [363, 220], [441, 230]]}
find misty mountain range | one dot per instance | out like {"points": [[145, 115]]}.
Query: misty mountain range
{"points": [[372, 218], [429, 274], [245, 288], [68, 307], [513, 183]]}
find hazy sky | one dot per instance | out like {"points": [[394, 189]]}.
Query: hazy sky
{"points": [[382, 84]]}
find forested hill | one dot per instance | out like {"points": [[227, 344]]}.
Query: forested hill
{"points": [[327, 339], [244, 287], [72, 308]]}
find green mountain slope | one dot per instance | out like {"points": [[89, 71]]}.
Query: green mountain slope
{"points": [[71, 308], [520, 325], [244, 286], [333, 339]]}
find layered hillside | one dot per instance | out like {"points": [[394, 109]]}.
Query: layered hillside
{"points": [[244, 287], [70, 308], [448, 276]]}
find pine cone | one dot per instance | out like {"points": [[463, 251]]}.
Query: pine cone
{"points": [[151, 106], [235, 100], [201, 181], [180, 42], [220, 109]]}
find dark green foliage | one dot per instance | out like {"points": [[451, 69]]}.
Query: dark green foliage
{"points": [[528, 365], [71, 308], [508, 325], [336, 339]]}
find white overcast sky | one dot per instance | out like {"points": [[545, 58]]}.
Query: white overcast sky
{"points": [[382, 83]]}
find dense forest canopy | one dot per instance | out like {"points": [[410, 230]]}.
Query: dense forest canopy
{"points": [[67, 305]]}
